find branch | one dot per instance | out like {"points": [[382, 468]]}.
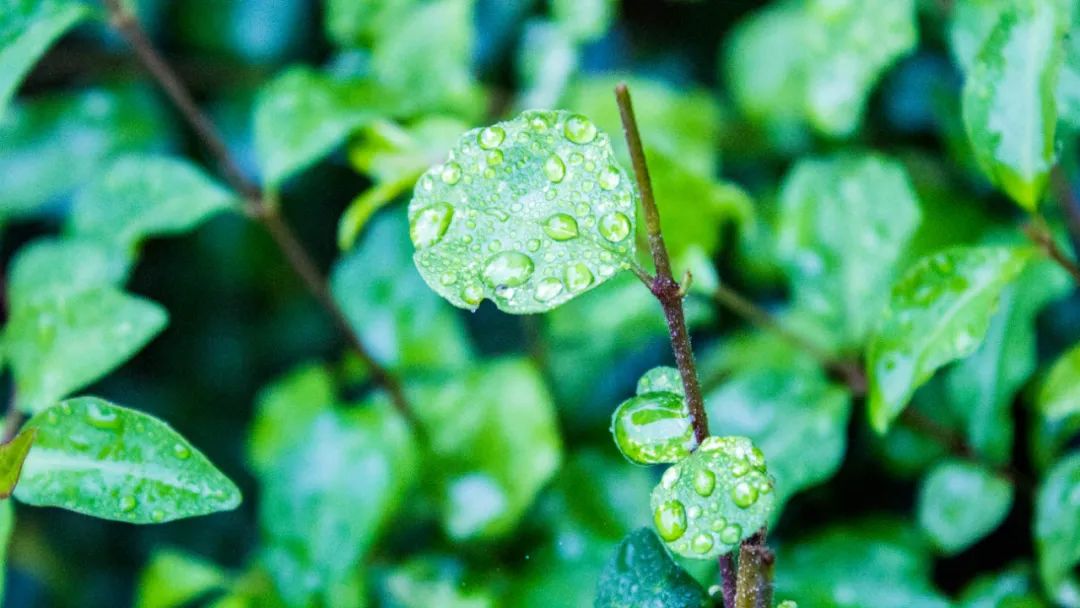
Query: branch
{"points": [[1039, 234], [1069, 203], [663, 285], [259, 206], [728, 579], [755, 578]]}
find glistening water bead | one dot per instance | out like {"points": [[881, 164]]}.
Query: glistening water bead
{"points": [[653, 428]]}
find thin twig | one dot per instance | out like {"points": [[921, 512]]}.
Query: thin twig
{"points": [[754, 583], [1069, 203], [1040, 235], [259, 206], [664, 286]]}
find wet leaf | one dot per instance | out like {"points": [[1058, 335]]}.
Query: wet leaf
{"points": [[720, 495], [1057, 530], [641, 573], [653, 427], [528, 213], [1059, 397], [12, 456], [939, 311], [100, 459]]}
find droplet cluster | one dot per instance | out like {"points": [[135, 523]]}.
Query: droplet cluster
{"points": [[705, 505], [527, 213]]}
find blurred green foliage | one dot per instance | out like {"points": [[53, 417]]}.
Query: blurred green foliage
{"points": [[860, 169]]}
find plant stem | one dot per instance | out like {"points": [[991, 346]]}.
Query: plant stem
{"points": [[1039, 234], [1069, 203], [755, 578], [259, 206], [728, 579], [663, 285]]}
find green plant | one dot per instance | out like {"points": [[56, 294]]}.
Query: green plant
{"points": [[891, 243]]}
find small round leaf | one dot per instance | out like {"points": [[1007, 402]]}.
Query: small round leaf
{"points": [[707, 504], [662, 378], [528, 213]]}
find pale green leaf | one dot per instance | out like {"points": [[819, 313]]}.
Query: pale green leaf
{"points": [[641, 573], [174, 579], [720, 495], [843, 223], [356, 22], [12, 455], [661, 379], [494, 432], [980, 389], [970, 25], [547, 61], [938, 311], [423, 57], [60, 345], [27, 29], [303, 115], [326, 497], [49, 269], [143, 196], [284, 411], [1009, 102], [528, 213], [1057, 531], [1059, 396], [883, 564], [1013, 588], [429, 581], [584, 20], [402, 322], [797, 418], [57, 142], [960, 503], [111, 462]]}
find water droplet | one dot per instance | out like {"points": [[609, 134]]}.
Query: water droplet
{"points": [[744, 495], [430, 224], [539, 122], [712, 444], [652, 428], [577, 276], [718, 524], [181, 451], [448, 278], [533, 245], [102, 418], [704, 482], [554, 168], [670, 477], [426, 184], [128, 503], [472, 294], [757, 458], [494, 158], [561, 227], [451, 173], [670, 520], [491, 137], [739, 468], [547, 289], [507, 269], [157, 515], [731, 534], [579, 129], [609, 178], [702, 543], [614, 226]]}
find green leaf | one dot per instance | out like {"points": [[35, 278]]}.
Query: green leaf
{"points": [[284, 413], [584, 20], [661, 379], [1058, 398], [961, 502], [843, 223], [142, 196], [868, 563], [980, 389], [720, 495], [400, 320], [1068, 86], [7, 525], [653, 427], [50, 269], [100, 459], [547, 60], [61, 345], [641, 573], [493, 430], [1012, 588], [356, 22], [423, 59], [12, 456], [174, 579], [1057, 530], [1009, 99], [326, 497], [433, 581], [797, 418], [27, 29], [938, 311], [528, 213], [818, 60], [303, 115], [970, 24], [36, 140]]}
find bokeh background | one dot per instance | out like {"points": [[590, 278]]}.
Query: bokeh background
{"points": [[240, 320]]}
